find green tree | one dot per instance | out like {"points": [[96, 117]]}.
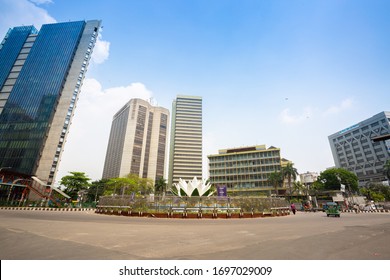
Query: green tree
{"points": [[298, 188], [160, 185], [74, 183], [290, 172], [96, 190], [331, 179], [127, 185], [376, 192], [386, 169], [276, 180]]}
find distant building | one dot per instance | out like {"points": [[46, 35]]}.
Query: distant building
{"points": [[185, 159], [356, 148], [41, 74], [138, 141], [308, 178], [245, 168]]}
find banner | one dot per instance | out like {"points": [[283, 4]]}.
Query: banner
{"points": [[222, 191]]}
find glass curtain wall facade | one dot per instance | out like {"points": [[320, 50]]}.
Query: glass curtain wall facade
{"points": [[138, 141], [246, 168], [40, 93], [186, 139], [353, 148]]}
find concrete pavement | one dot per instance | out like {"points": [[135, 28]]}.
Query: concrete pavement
{"points": [[45, 235]]}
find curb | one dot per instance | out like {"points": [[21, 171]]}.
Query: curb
{"points": [[119, 211], [47, 209], [367, 211]]}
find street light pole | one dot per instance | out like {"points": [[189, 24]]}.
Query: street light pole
{"points": [[96, 193]]}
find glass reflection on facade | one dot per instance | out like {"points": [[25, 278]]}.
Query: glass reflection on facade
{"points": [[34, 79]]}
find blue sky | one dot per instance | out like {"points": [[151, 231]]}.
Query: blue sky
{"points": [[281, 73]]}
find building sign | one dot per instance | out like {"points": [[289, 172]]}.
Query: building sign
{"points": [[349, 128], [222, 191]]}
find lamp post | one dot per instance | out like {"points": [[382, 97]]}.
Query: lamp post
{"points": [[97, 188]]}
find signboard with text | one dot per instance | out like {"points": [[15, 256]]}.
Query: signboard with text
{"points": [[222, 191]]}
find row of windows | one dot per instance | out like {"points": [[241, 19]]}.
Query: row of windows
{"points": [[245, 163], [374, 127], [71, 107], [245, 170], [261, 155]]}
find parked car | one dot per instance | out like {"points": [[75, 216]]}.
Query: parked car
{"points": [[367, 207]]}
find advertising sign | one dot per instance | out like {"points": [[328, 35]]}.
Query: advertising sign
{"points": [[222, 191]]}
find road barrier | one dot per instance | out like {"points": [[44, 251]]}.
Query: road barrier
{"points": [[46, 209]]}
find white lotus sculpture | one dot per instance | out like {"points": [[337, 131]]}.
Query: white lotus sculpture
{"points": [[192, 188]]}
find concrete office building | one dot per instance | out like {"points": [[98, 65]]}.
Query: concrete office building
{"points": [[245, 169], [138, 141], [308, 178], [354, 149], [185, 159], [41, 73]]}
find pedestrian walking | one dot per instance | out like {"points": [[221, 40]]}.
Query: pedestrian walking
{"points": [[293, 209]]}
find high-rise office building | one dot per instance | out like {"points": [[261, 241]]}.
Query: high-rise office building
{"points": [[138, 141], [41, 73], [355, 149], [185, 160]]}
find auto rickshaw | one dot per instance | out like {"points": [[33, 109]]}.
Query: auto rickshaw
{"points": [[332, 209]]}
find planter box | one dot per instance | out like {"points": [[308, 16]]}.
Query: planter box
{"points": [[235, 215], [159, 215], [126, 213], [257, 215], [267, 214], [176, 215], [192, 215], [247, 215], [207, 216]]}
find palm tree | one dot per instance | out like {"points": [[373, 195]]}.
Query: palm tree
{"points": [[276, 180], [289, 172], [299, 188], [386, 169], [160, 185]]}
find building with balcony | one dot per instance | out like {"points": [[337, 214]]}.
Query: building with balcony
{"points": [[245, 169]]}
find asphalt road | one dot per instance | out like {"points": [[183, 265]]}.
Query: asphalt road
{"points": [[42, 235]]}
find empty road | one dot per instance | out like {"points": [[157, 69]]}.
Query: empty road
{"points": [[52, 235]]}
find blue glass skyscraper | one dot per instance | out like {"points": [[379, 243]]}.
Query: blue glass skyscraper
{"points": [[41, 74]]}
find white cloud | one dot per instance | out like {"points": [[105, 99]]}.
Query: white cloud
{"points": [[286, 117], [336, 109], [101, 50], [22, 12], [40, 2], [87, 141]]}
